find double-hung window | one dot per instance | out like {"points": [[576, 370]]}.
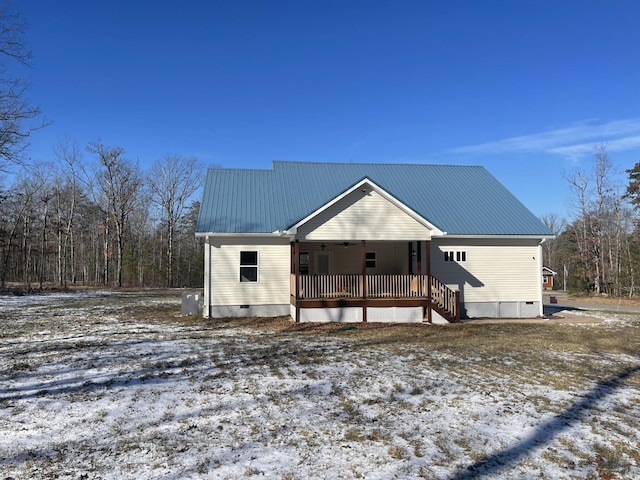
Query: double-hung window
{"points": [[249, 266]]}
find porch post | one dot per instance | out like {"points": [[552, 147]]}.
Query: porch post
{"points": [[296, 271], [363, 260], [427, 260]]}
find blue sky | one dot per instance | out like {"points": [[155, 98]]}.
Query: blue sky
{"points": [[524, 88]]}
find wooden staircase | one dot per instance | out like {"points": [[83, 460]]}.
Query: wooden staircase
{"points": [[445, 301]]}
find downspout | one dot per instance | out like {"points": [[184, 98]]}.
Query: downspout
{"points": [[427, 261], [206, 308], [363, 260], [296, 268], [540, 265]]}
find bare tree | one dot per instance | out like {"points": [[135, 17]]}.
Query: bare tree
{"points": [[579, 185], [557, 225], [66, 196], [600, 224], [18, 216], [16, 113], [118, 181], [172, 181]]}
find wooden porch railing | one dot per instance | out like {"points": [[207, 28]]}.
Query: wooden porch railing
{"points": [[396, 286], [444, 300], [330, 286]]}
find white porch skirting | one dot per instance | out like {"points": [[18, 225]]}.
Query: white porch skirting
{"points": [[354, 314]]}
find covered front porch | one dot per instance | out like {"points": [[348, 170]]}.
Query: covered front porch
{"points": [[368, 281]]}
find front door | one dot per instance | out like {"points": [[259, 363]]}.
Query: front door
{"points": [[324, 262]]}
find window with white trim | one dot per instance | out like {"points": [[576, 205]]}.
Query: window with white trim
{"points": [[459, 256], [248, 266]]}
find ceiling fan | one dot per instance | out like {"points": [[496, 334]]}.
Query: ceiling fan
{"points": [[345, 244], [342, 244]]}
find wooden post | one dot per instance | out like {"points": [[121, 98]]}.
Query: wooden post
{"points": [[457, 306], [363, 260], [296, 268], [427, 260]]}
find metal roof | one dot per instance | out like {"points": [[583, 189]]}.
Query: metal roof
{"points": [[460, 200]]}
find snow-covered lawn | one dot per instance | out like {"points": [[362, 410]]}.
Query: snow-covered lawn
{"points": [[117, 385]]}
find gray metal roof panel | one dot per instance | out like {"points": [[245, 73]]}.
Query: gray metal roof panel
{"points": [[461, 200]]}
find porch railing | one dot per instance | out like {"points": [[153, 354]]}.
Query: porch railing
{"points": [[447, 300], [396, 286], [443, 299], [330, 286]]}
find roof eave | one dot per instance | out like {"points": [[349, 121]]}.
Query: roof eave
{"points": [[527, 236], [277, 233]]}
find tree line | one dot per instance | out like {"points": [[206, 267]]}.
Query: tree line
{"points": [[104, 221], [598, 250], [101, 222]]}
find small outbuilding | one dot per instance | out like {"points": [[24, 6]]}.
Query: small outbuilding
{"points": [[547, 278]]}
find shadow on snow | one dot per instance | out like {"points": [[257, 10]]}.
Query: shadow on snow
{"points": [[547, 431]]}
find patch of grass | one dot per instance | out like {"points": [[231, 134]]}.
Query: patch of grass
{"points": [[416, 390], [556, 457], [354, 434], [398, 453], [417, 446], [291, 476], [609, 460], [251, 471]]}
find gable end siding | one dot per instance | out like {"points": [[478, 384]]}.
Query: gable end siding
{"points": [[363, 216]]}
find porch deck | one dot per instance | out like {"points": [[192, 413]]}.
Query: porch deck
{"points": [[321, 291]]}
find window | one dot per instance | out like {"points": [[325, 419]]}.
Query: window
{"points": [[304, 263], [459, 256], [248, 266], [370, 259]]}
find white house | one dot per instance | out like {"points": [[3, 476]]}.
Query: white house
{"points": [[368, 243]]}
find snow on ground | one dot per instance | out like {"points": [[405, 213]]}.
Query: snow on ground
{"points": [[86, 391]]}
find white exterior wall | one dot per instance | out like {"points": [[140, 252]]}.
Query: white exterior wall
{"points": [[222, 276], [363, 216], [500, 278]]}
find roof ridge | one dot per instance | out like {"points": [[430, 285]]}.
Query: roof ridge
{"points": [[366, 164], [236, 169]]}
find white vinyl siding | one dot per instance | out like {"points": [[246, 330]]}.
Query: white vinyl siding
{"points": [[494, 271], [363, 215], [272, 286]]}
